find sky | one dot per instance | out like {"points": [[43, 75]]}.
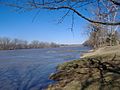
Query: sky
{"points": [[42, 26]]}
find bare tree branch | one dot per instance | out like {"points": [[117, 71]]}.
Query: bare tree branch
{"points": [[115, 2], [62, 4], [63, 17], [79, 14]]}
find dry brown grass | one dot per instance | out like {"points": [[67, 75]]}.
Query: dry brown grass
{"points": [[105, 52]]}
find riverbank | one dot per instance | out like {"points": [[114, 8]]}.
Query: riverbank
{"points": [[96, 70]]}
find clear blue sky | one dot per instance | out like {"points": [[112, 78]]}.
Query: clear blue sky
{"points": [[44, 27]]}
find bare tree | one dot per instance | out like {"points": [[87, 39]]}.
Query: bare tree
{"points": [[101, 35]]}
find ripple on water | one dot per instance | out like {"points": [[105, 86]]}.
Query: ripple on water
{"points": [[30, 69]]}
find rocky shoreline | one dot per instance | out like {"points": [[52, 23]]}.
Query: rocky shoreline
{"points": [[91, 73]]}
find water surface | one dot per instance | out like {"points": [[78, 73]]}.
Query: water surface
{"points": [[29, 69]]}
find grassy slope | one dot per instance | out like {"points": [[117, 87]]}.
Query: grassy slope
{"points": [[72, 76], [108, 51]]}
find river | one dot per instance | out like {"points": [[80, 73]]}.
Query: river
{"points": [[29, 69]]}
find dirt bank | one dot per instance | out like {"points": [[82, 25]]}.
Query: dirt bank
{"points": [[98, 70]]}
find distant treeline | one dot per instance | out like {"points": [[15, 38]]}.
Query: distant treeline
{"points": [[11, 44]]}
